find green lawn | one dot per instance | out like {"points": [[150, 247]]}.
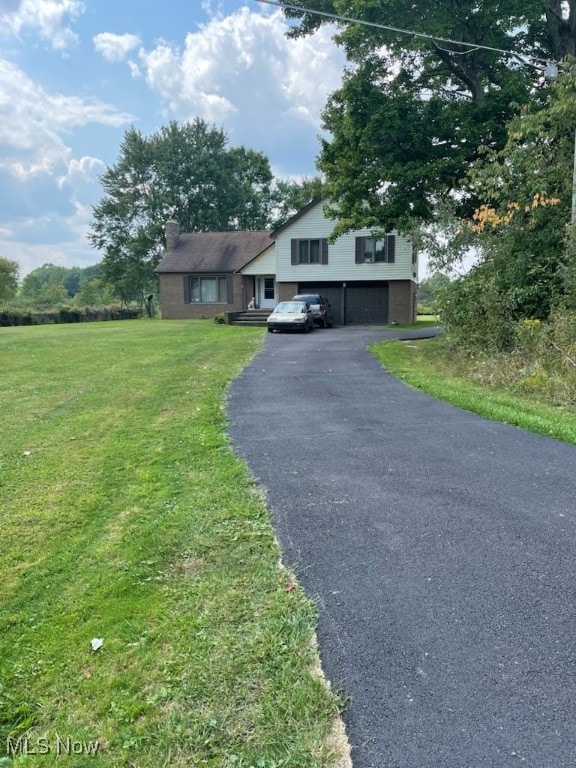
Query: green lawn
{"points": [[126, 517], [424, 365]]}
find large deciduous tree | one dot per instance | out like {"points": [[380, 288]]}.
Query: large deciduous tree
{"points": [[526, 192], [289, 196], [412, 112], [527, 267], [183, 171]]}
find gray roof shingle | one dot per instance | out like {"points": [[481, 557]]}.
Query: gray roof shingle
{"points": [[214, 251]]}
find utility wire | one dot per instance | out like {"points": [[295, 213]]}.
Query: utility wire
{"points": [[471, 46]]}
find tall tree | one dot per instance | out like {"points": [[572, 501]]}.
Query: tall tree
{"points": [[526, 194], [186, 172], [527, 256], [290, 196], [412, 112], [9, 271]]}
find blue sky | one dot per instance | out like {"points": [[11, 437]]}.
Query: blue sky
{"points": [[75, 74]]}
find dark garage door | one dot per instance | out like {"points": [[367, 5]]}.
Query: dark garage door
{"points": [[366, 303]]}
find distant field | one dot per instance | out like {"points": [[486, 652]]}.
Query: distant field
{"points": [[125, 517]]}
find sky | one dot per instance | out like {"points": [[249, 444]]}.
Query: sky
{"points": [[76, 74]]}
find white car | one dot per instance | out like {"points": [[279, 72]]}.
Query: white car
{"points": [[320, 306], [291, 316]]}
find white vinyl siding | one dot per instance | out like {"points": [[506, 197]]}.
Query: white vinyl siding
{"points": [[264, 264], [341, 254]]}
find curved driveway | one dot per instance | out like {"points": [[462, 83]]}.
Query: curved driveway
{"points": [[440, 547]]}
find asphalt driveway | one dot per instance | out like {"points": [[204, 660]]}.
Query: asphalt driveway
{"points": [[440, 547]]}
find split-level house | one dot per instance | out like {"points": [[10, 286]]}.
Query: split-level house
{"points": [[367, 280]]}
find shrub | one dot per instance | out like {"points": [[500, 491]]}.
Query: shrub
{"points": [[541, 360], [477, 314]]}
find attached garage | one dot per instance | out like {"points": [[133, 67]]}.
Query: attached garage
{"points": [[356, 303], [366, 304]]}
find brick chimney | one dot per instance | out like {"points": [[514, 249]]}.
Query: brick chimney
{"points": [[172, 233]]}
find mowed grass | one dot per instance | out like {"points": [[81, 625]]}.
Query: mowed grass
{"points": [[426, 365], [125, 516]]}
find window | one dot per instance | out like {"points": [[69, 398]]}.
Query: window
{"points": [[269, 288], [369, 250], [206, 290], [309, 251]]}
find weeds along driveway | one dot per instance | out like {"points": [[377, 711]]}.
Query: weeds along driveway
{"points": [[439, 547]]}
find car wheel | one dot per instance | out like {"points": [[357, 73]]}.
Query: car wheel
{"points": [[323, 323], [270, 330]]}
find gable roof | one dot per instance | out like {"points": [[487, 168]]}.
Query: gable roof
{"points": [[314, 202], [214, 251]]}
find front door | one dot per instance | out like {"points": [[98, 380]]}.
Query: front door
{"points": [[266, 292]]}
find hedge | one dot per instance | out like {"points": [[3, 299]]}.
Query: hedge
{"points": [[66, 315]]}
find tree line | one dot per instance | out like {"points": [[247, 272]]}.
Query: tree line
{"points": [[53, 286]]}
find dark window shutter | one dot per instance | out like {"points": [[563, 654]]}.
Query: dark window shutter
{"points": [[230, 289], [293, 251], [391, 249], [359, 250], [186, 289], [324, 251]]}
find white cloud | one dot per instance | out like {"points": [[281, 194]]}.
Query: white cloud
{"points": [[80, 220], [56, 231], [32, 122], [241, 72], [82, 173], [46, 17], [134, 69], [115, 47]]}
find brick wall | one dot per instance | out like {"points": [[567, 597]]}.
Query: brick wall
{"points": [[172, 303], [286, 291], [402, 301]]}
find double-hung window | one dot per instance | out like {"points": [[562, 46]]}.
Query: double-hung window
{"points": [[371, 250], [309, 251], [206, 290]]}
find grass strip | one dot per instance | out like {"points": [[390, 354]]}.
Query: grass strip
{"points": [[424, 366], [126, 517]]}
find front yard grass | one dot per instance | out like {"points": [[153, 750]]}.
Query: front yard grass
{"points": [[424, 365], [126, 517]]}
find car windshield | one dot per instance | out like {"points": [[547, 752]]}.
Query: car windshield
{"points": [[310, 299], [290, 307]]}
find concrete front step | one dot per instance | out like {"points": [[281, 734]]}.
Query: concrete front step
{"points": [[252, 317]]}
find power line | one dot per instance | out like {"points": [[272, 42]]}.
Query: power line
{"points": [[470, 46]]}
